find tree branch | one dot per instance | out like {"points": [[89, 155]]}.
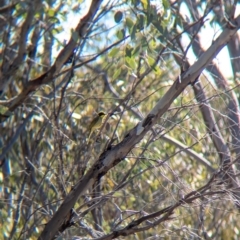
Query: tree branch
{"points": [[48, 76], [116, 154]]}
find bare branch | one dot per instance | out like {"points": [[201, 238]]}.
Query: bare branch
{"points": [[112, 157], [60, 60]]}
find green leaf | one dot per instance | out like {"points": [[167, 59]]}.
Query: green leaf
{"points": [[136, 50], [51, 12], [150, 18], [135, 2], [145, 3], [128, 51], [118, 16], [151, 62], [121, 34], [166, 4], [117, 73], [114, 52], [157, 70], [130, 62], [129, 23], [178, 21], [140, 21], [159, 27], [133, 32], [57, 30]]}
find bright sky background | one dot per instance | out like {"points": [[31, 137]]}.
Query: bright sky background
{"points": [[208, 32]]}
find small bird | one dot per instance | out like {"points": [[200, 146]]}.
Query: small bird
{"points": [[96, 123]]}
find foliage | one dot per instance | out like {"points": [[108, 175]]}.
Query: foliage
{"points": [[62, 62]]}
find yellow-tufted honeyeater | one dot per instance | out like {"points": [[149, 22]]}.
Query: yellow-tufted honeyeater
{"points": [[96, 123]]}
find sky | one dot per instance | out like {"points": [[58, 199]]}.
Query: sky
{"points": [[209, 32]]}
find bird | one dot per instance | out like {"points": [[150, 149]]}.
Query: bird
{"points": [[96, 123]]}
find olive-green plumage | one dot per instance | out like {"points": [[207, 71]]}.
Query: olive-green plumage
{"points": [[96, 123]]}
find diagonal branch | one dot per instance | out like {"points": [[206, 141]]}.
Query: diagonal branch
{"points": [[221, 81], [113, 155], [8, 8], [165, 213], [219, 143], [47, 77], [25, 29]]}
